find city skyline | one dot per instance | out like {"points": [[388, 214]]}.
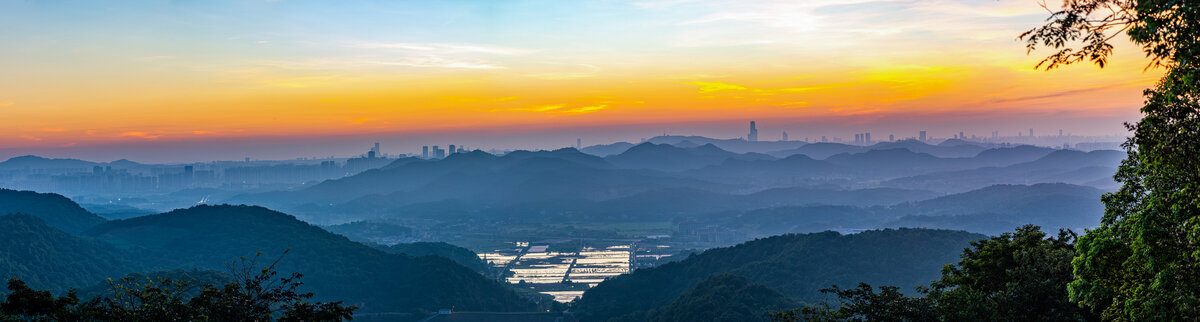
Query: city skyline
{"points": [[436, 147]]}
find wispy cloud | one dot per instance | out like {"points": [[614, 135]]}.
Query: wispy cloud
{"points": [[140, 134], [440, 48], [439, 62], [709, 87], [560, 76], [560, 108], [1066, 93], [373, 54]]}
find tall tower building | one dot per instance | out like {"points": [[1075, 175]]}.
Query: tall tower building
{"points": [[425, 152], [891, 138], [922, 137], [753, 136], [578, 143], [784, 136], [450, 149], [867, 138], [1031, 132]]}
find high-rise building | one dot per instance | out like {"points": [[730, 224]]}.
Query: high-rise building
{"points": [[753, 136], [425, 152], [1059, 132], [857, 138], [867, 138], [891, 138], [824, 139], [784, 136], [922, 137], [450, 149], [1031, 132], [578, 143]]}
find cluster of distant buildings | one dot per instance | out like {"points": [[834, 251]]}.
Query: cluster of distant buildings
{"points": [[436, 152], [1061, 140]]}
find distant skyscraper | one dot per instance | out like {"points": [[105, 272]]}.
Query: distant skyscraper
{"points": [[784, 136], [922, 137], [961, 135], [425, 152], [578, 143], [867, 138], [450, 149], [376, 149], [438, 153], [753, 136], [891, 138], [1031, 132], [857, 138], [824, 139], [1059, 132]]}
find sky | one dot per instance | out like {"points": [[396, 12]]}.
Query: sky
{"points": [[208, 80]]}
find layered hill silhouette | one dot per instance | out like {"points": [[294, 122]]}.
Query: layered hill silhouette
{"points": [[1002, 208], [666, 157], [207, 237], [481, 178], [462, 256], [1093, 168], [658, 182], [53, 209], [724, 297], [945, 149], [36, 162], [796, 265], [48, 258]]}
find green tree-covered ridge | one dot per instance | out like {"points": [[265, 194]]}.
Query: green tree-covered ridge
{"points": [[1142, 262]]}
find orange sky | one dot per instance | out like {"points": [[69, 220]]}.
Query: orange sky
{"points": [[86, 74]]}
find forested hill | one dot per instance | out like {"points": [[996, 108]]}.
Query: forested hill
{"points": [[724, 297], [462, 256], [335, 268], [48, 258], [796, 265], [54, 209]]}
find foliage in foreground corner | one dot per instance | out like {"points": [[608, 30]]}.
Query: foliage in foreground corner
{"points": [[1017, 276], [256, 294], [1142, 262]]}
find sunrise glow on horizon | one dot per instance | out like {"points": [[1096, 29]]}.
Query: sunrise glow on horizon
{"points": [[92, 73]]}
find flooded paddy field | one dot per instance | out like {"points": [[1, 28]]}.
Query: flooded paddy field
{"points": [[561, 272]]}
